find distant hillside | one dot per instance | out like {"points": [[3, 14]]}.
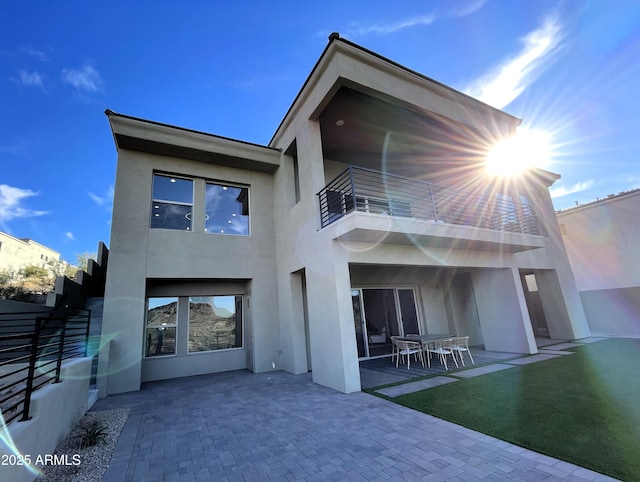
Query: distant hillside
{"points": [[212, 328], [162, 314]]}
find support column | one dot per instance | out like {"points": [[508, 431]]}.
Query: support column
{"points": [[558, 290], [556, 307], [331, 328], [502, 310], [119, 365]]}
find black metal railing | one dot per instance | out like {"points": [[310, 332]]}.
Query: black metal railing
{"points": [[366, 190], [32, 348]]}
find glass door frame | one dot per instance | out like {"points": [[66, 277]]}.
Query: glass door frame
{"points": [[414, 289]]}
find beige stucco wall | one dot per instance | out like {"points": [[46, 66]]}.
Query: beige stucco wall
{"points": [[208, 262], [55, 410], [16, 254], [495, 275], [602, 245]]}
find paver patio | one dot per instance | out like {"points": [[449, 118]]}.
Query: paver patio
{"points": [[277, 426]]}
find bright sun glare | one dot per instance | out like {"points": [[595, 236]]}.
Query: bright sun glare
{"points": [[518, 153]]}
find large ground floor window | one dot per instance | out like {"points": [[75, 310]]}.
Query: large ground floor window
{"points": [[162, 320], [215, 323], [193, 324]]}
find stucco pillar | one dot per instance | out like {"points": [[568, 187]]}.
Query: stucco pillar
{"points": [[334, 354], [119, 363], [556, 307], [331, 330], [558, 290], [502, 310]]}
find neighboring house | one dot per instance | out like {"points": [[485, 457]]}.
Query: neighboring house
{"points": [[18, 253], [602, 239], [369, 214]]}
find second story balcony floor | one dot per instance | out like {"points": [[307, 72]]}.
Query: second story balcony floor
{"points": [[438, 212]]}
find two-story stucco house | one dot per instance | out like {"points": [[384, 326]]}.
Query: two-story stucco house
{"points": [[369, 214]]}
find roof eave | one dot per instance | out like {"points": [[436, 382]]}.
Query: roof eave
{"points": [[334, 41], [143, 135]]}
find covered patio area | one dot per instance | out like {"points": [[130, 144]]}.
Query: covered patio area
{"points": [[382, 370]]}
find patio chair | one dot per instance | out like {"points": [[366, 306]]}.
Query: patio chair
{"points": [[426, 348], [394, 348], [461, 345], [443, 348], [402, 348]]}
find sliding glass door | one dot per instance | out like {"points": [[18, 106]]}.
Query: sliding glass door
{"points": [[379, 314], [408, 313]]}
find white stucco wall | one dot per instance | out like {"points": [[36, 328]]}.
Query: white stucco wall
{"points": [[602, 241]]}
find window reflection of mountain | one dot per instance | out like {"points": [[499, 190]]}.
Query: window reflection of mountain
{"points": [[210, 327], [165, 314]]}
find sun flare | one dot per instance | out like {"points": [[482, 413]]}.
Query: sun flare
{"points": [[516, 154]]}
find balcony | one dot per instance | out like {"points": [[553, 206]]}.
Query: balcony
{"points": [[427, 210]]}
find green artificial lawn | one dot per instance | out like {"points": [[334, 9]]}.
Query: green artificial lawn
{"points": [[582, 408]]}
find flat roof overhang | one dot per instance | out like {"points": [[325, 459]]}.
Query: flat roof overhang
{"points": [[131, 133], [378, 229]]}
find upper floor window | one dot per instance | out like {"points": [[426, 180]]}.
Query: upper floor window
{"points": [[226, 209], [172, 203]]}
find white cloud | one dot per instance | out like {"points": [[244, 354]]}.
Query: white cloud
{"points": [[358, 30], [508, 80], [468, 9], [70, 235], [31, 79], [85, 79], [97, 199], [11, 199], [35, 53], [105, 200], [561, 191]]}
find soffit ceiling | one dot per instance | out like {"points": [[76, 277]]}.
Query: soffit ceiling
{"points": [[375, 132]]}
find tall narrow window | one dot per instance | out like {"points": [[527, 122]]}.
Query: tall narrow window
{"points": [[296, 177], [162, 315], [172, 203], [226, 209], [215, 323]]}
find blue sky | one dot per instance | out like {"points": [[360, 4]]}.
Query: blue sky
{"points": [[570, 69]]}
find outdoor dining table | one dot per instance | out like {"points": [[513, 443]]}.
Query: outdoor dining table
{"points": [[429, 338]]}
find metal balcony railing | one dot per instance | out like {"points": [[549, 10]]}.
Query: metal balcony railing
{"points": [[369, 191]]}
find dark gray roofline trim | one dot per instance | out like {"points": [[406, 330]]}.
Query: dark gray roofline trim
{"points": [[199, 155], [109, 112], [335, 36]]}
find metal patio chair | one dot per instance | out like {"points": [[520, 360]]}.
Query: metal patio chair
{"points": [[402, 348], [443, 348], [461, 345]]}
